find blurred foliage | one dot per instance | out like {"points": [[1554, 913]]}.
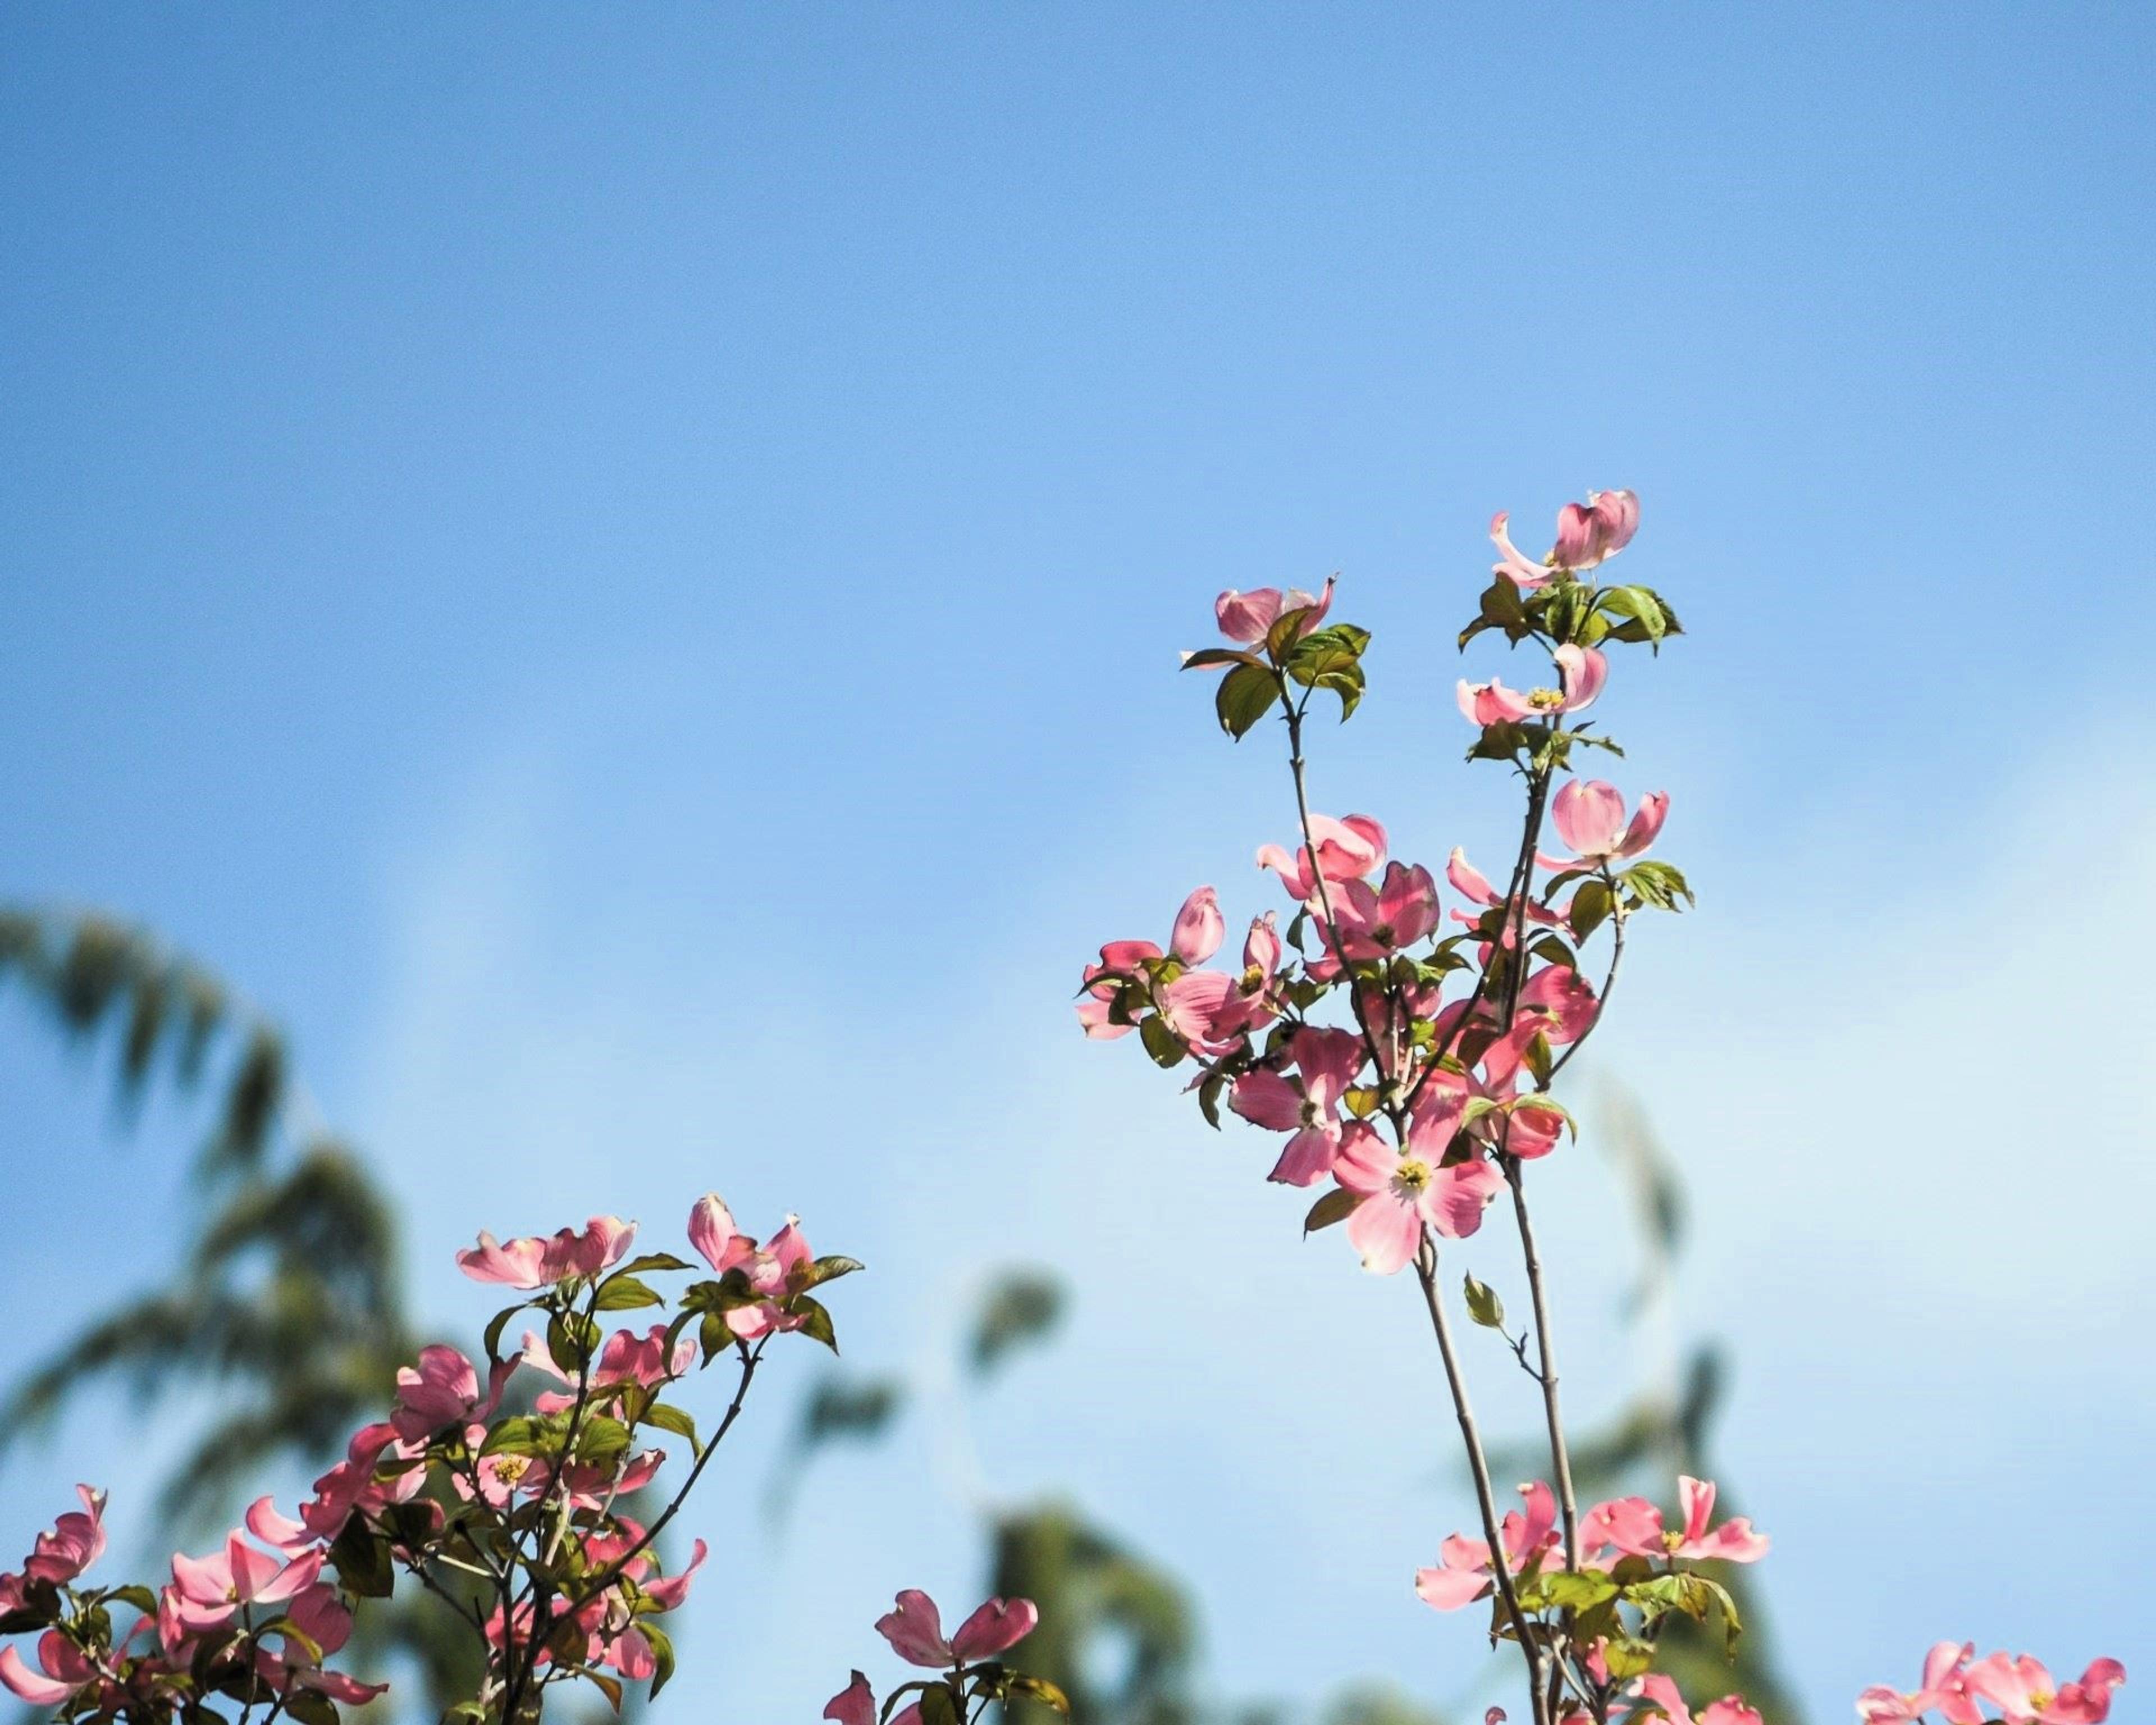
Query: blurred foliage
{"points": [[287, 1296]]}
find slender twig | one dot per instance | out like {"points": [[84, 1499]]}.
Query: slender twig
{"points": [[611, 1573], [1478, 1463]]}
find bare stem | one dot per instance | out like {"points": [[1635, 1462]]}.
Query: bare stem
{"points": [[1478, 1463]]}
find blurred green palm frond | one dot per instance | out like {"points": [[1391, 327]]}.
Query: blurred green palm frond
{"points": [[285, 1293]]}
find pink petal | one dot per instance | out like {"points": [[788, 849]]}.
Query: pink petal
{"points": [[995, 1626], [1365, 1161], [914, 1629], [1265, 1098], [1584, 671], [1307, 1158], [1590, 814], [40, 1692], [1654, 810], [1453, 1201], [1385, 1232], [853, 1705], [1199, 927]]}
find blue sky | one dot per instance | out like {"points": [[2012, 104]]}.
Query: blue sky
{"points": [[622, 571]]}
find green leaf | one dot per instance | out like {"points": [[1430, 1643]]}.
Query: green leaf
{"points": [[714, 1335], [310, 1706], [1627, 1658], [361, 1557], [1484, 1306], [1336, 1206], [520, 1434], [1038, 1689], [1161, 1043], [937, 1707], [817, 1324], [1659, 884], [829, 1268], [1590, 908], [496, 1324], [670, 1417], [625, 1293], [1577, 1591], [1208, 1100], [608, 1685], [656, 1260], [662, 1650], [1245, 696], [1211, 658]]}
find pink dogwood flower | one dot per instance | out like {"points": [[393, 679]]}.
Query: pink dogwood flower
{"points": [[443, 1390], [1463, 1572], [1246, 618], [768, 1269], [1581, 673], [2025, 1693], [1588, 534], [1590, 818], [1308, 1106], [1634, 1526], [1661, 1691], [1347, 851], [76, 1541], [1375, 921], [1405, 1190], [532, 1262], [1944, 1690], [1474, 885], [914, 1629], [63, 1669], [209, 1590], [1195, 937]]}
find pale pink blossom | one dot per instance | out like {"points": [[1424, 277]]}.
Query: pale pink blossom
{"points": [[1463, 1572], [1247, 618], [1405, 1191], [209, 1590], [1633, 1525], [2025, 1693], [1308, 1106], [1590, 818], [1944, 1690], [914, 1629], [1659, 1690], [532, 1262], [1347, 851], [1474, 885], [768, 1270], [1195, 937], [443, 1390], [1581, 673], [1594, 531], [63, 1668], [1375, 921], [76, 1541]]}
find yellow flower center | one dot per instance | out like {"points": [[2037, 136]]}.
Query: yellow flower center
{"points": [[1547, 700], [1413, 1173]]}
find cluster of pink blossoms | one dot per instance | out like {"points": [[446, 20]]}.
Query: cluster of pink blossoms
{"points": [[512, 1517], [1405, 1051], [1957, 1684], [974, 1675]]}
